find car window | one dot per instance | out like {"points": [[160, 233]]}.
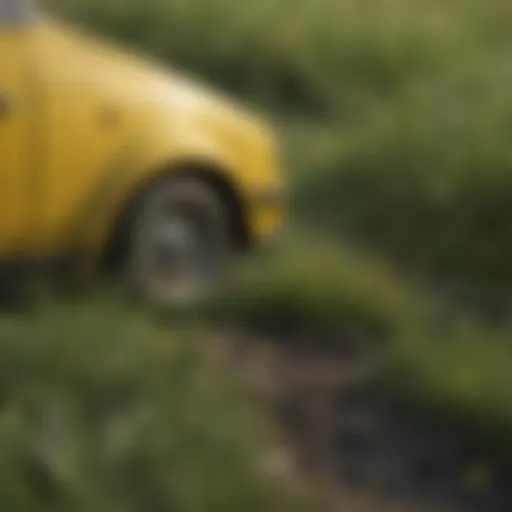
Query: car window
{"points": [[13, 12], [7, 10]]}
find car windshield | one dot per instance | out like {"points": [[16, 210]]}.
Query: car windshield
{"points": [[13, 12], [8, 10]]}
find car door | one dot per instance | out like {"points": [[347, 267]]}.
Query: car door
{"points": [[15, 114], [83, 127]]}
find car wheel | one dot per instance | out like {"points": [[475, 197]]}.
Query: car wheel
{"points": [[180, 243]]}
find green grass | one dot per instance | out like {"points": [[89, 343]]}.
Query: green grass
{"points": [[309, 287], [103, 411], [460, 383], [430, 190], [454, 375], [303, 53]]}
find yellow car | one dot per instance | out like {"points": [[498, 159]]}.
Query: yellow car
{"points": [[110, 162]]}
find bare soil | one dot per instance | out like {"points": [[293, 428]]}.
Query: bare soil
{"points": [[342, 431]]}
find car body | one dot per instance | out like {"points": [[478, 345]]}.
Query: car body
{"points": [[85, 126]]}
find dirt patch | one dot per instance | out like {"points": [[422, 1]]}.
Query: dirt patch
{"points": [[369, 454]]}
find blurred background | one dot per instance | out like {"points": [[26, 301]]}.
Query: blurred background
{"points": [[362, 364]]}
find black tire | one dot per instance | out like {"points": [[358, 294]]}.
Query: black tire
{"points": [[180, 244]]}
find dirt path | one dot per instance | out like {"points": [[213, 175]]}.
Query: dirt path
{"points": [[367, 455]]}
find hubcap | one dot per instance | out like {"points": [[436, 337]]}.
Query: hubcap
{"points": [[179, 256]]}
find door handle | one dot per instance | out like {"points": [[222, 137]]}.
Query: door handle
{"points": [[5, 105]]}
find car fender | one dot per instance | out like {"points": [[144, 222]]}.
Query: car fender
{"points": [[137, 164]]}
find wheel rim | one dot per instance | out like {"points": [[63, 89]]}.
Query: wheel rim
{"points": [[178, 254]]}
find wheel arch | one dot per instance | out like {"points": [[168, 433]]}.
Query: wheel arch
{"points": [[215, 176]]}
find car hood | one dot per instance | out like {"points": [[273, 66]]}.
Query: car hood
{"points": [[141, 80], [156, 99]]}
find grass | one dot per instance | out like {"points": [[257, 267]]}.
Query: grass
{"points": [[428, 192], [459, 383], [303, 54], [101, 410], [453, 375], [107, 409], [309, 287]]}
